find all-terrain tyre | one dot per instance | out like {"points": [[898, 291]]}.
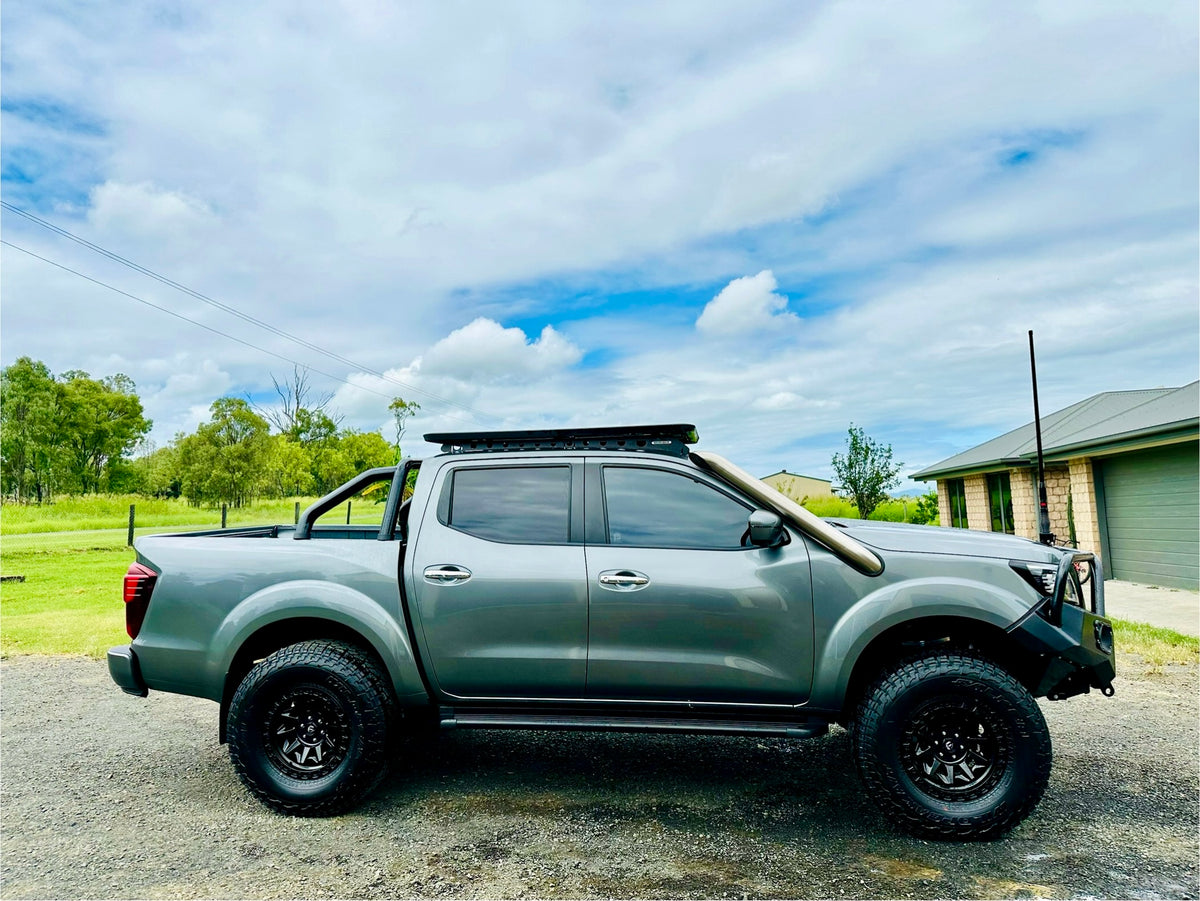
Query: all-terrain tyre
{"points": [[952, 746], [309, 728]]}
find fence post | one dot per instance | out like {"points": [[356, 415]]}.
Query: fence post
{"points": [[224, 510], [296, 521], [347, 512], [129, 540]]}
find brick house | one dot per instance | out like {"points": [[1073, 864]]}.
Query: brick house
{"points": [[1122, 478]]}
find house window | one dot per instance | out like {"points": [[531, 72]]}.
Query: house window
{"points": [[958, 503], [1000, 500]]}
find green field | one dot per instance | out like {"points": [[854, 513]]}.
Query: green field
{"points": [[73, 556], [70, 601], [901, 510], [111, 511]]}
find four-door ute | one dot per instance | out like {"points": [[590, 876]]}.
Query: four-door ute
{"points": [[613, 578]]}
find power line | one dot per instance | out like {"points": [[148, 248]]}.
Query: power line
{"points": [[209, 328], [233, 311]]}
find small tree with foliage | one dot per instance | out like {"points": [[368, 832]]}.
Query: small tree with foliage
{"points": [[927, 508], [402, 410], [866, 471], [225, 459]]}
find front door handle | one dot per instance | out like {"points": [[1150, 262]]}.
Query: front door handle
{"points": [[623, 579], [446, 574]]}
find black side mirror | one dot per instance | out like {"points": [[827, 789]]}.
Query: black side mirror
{"points": [[766, 529]]}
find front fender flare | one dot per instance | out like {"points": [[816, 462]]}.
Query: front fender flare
{"points": [[894, 605]]}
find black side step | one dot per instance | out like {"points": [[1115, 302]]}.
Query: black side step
{"points": [[472, 719]]}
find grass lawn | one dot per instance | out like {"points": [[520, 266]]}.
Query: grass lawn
{"points": [[110, 512], [70, 601], [1154, 645]]}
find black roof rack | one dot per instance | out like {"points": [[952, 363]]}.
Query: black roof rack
{"points": [[655, 439]]}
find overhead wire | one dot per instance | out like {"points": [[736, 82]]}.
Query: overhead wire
{"points": [[233, 311], [208, 328]]}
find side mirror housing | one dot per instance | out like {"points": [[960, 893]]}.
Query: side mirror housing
{"points": [[766, 529]]}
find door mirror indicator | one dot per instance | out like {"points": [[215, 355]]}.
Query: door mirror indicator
{"points": [[766, 529]]}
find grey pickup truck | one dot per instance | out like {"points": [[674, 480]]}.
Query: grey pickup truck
{"points": [[615, 579]]}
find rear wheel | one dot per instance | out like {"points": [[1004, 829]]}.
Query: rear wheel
{"points": [[308, 728], [953, 746]]}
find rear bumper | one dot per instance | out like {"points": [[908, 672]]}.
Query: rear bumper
{"points": [[124, 669]]}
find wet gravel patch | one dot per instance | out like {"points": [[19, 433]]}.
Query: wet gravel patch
{"points": [[108, 796]]}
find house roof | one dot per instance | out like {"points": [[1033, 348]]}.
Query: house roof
{"points": [[784, 472], [1102, 419]]}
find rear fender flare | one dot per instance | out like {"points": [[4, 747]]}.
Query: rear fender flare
{"points": [[312, 599], [894, 605]]}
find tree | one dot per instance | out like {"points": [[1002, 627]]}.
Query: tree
{"points": [[225, 460], [29, 437], [866, 471], [300, 409], [402, 410], [160, 470], [99, 423], [927, 508], [288, 468], [365, 450]]}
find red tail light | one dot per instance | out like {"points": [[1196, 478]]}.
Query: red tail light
{"points": [[139, 582]]}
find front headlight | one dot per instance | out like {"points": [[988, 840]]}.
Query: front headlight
{"points": [[1044, 579], [1041, 576]]}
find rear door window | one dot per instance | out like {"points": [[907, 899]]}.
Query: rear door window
{"points": [[657, 508], [514, 504]]}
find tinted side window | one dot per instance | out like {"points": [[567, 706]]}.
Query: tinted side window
{"points": [[654, 508], [526, 505]]}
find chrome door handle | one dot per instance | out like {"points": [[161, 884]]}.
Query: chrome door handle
{"points": [[623, 579], [446, 574]]}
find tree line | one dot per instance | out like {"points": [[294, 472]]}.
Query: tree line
{"points": [[73, 434]]}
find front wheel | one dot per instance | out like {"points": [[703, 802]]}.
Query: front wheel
{"points": [[953, 746], [308, 728]]}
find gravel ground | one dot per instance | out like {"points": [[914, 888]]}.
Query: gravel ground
{"points": [[108, 796]]}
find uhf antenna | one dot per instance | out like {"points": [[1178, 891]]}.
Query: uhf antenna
{"points": [[1045, 536]]}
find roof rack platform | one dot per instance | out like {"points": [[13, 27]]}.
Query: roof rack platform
{"points": [[671, 440]]}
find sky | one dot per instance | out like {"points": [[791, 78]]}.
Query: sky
{"points": [[770, 219]]}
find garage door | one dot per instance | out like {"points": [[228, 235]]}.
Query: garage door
{"points": [[1152, 504]]}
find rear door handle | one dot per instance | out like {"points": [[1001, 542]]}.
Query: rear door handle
{"points": [[623, 579], [446, 574]]}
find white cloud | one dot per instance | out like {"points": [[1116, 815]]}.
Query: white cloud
{"points": [[747, 304], [484, 349], [786, 400], [145, 209]]}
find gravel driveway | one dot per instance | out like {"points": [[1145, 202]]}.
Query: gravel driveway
{"points": [[105, 795]]}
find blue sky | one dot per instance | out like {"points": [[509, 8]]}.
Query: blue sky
{"points": [[771, 219]]}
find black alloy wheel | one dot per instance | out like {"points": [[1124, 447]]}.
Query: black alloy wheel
{"points": [[307, 731], [954, 749]]}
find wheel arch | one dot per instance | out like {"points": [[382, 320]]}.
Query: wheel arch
{"points": [[916, 636], [281, 633]]}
